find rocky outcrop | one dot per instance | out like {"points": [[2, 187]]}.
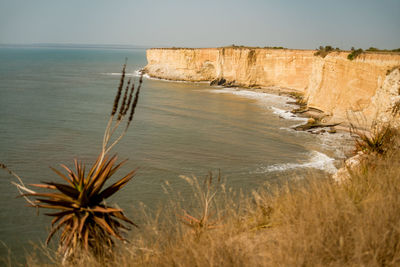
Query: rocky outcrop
{"points": [[183, 64], [338, 85], [368, 84], [385, 104]]}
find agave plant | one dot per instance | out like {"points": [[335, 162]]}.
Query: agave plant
{"points": [[82, 216], [87, 222]]}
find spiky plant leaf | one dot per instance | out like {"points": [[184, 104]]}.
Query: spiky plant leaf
{"points": [[86, 221]]}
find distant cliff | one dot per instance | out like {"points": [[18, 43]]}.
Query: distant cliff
{"points": [[370, 83]]}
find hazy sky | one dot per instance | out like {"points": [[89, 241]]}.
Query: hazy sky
{"points": [[203, 23]]}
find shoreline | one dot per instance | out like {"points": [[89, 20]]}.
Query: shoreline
{"points": [[310, 125], [314, 125], [296, 95]]}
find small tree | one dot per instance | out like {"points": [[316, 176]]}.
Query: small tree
{"points": [[355, 53], [324, 51]]}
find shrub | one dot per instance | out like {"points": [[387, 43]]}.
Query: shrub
{"points": [[324, 51], [355, 53], [274, 47], [378, 140], [374, 49]]}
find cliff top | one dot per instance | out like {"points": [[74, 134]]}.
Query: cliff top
{"points": [[376, 51]]}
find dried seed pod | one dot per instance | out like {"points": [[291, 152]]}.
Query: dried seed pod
{"points": [[135, 100], [123, 104], [129, 98], [118, 95]]}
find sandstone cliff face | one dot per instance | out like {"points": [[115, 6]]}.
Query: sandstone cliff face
{"points": [[385, 99], [332, 84], [338, 85], [182, 64]]}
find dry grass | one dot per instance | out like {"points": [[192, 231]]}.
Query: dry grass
{"points": [[312, 222], [373, 137], [377, 140]]}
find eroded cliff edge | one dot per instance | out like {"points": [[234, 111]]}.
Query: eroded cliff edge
{"points": [[335, 85]]}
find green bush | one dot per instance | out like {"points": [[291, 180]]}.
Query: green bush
{"points": [[355, 53], [324, 51], [372, 49], [274, 47]]}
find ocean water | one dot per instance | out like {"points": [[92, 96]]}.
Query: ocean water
{"points": [[54, 106]]}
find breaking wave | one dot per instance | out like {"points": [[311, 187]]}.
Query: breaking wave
{"points": [[119, 74], [317, 160], [260, 96], [277, 103], [286, 114]]}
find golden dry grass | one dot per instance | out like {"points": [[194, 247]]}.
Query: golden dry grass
{"points": [[312, 222]]}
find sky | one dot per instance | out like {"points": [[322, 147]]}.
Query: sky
{"points": [[299, 24]]}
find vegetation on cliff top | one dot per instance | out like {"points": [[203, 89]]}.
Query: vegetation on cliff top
{"points": [[374, 49], [254, 47], [324, 51], [354, 53]]}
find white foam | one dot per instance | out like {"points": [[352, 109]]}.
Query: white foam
{"points": [[147, 76], [139, 72], [278, 104], [119, 74], [136, 73], [286, 114], [317, 160], [261, 96], [340, 143]]}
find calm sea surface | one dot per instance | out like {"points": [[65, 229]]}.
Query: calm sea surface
{"points": [[54, 105]]}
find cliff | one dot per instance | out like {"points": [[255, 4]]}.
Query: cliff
{"points": [[335, 85]]}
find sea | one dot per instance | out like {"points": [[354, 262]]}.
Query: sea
{"points": [[55, 102]]}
